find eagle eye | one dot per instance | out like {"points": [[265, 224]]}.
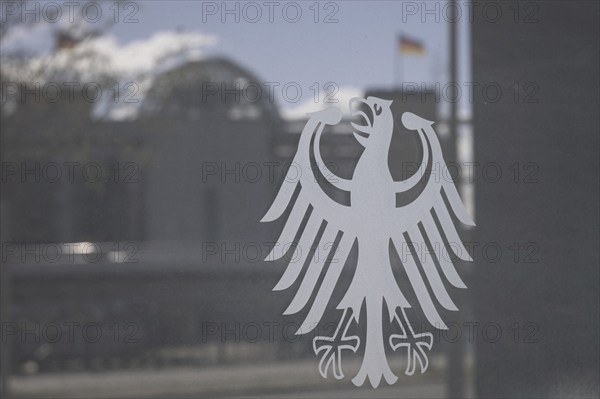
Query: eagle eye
{"points": [[378, 109]]}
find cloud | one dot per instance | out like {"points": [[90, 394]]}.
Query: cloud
{"points": [[37, 39], [146, 55], [343, 96], [143, 60], [99, 59]]}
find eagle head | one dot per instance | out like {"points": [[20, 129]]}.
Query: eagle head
{"points": [[376, 118]]}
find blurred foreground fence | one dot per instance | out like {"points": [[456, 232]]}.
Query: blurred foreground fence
{"points": [[110, 315]]}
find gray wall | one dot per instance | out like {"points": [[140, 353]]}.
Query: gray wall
{"points": [[559, 213]]}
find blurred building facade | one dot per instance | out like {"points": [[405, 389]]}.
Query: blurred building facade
{"points": [[193, 169], [163, 176]]}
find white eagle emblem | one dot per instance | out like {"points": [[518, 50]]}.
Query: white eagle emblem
{"points": [[372, 221]]}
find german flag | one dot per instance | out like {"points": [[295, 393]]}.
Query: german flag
{"points": [[410, 46]]}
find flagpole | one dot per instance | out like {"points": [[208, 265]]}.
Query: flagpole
{"points": [[401, 69], [456, 356], [395, 63], [398, 63]]}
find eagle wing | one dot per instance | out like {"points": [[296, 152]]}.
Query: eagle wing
{"points": [[335, 237], [419, 241]]}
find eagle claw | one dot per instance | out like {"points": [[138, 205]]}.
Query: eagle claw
{"points": [[332, 347], [415, 345]]}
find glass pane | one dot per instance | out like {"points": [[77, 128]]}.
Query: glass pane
{"points": [[299, 199]]}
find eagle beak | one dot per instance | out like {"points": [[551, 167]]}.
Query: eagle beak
{"points": [[361, 132]]}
